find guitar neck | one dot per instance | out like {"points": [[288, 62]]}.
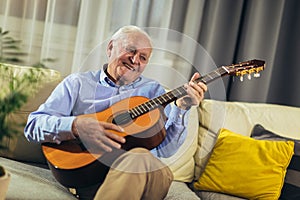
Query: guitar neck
{"points": [[173, 95]]}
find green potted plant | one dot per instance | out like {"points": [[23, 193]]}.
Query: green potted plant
{"points": [[14, 93], [16, 87]]}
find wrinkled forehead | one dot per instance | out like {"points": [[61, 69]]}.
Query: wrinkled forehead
{"points": [[135, 40]]}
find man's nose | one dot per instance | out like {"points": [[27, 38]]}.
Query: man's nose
{"points": [[135, 59]]}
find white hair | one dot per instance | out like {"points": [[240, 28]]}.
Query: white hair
{"points": [[129, 29]]}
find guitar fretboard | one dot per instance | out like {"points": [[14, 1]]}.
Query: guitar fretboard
{"points": [[173, 95]]}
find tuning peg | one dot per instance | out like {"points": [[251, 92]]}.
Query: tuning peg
{"points": [[241, 78], [256, 75], [249, 76]]}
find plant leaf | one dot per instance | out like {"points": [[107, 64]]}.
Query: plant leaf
{"points": [[4, 32]]}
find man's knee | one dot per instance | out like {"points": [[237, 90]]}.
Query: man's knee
{"points": [[139, 160], [140, 150]]}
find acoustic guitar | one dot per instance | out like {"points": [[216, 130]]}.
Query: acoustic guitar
{"points": [[143, 121]]}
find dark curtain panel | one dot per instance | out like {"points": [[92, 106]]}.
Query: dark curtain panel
{"points": [[237, 30], [219, 34], [285, 82]]}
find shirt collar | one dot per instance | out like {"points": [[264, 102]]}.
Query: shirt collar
{"points": [[106, 81]]}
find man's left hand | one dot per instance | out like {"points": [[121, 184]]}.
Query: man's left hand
{"points": [[195, 93]]}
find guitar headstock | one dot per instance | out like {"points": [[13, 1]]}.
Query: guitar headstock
{"points": [[246, 68]]}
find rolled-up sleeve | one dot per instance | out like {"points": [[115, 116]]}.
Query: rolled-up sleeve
{"points": [[52, 122], [176, 132]]}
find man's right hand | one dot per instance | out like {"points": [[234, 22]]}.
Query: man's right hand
{"points": [[95, 134]]}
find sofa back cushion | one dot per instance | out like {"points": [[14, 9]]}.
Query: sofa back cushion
{"points": [[240, 117], [17, 147], [246, 167], [182, 162], [291, 187]]}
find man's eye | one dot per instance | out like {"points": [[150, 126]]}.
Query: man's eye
{"points": [[143, 58]]}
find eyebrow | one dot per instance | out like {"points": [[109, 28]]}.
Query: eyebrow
{"points": [[132, 47]]}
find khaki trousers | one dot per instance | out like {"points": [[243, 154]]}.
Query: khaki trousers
{"points": [[136, 175]]}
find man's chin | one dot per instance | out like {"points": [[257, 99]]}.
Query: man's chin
{"points": [[122, 80]]}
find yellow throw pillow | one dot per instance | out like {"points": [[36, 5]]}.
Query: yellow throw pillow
{"points": [[245, 167]]}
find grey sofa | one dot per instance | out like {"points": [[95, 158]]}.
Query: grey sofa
{"points": [[31, 178]]}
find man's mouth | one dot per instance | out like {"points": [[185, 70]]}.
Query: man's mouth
{"points": [[129, 67]]}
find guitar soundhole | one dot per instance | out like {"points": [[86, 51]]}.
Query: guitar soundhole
{"points": [[122, 118]]}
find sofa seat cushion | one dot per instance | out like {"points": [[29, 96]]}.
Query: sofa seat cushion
{"points": [[36, 182], [179, 191], [32, 182], [216, 196]]}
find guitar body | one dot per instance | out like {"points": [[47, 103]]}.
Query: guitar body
{"points": [[74, 166]]}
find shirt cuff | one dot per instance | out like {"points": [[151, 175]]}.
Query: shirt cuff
{"points": [[178, 116], [64, 130]]}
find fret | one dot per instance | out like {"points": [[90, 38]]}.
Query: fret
{"points": [[212, 75], [217, 74], [180, 92], [137, 111], [146, 104], [170, 95], [134, 112], [223, 71], [140, 108], [163, 97], [176, 92], [133, 116], [144, 108], [157, 101], [153, 103], [209, 76]]}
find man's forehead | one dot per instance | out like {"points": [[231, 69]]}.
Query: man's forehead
{"points": [[137, 40]]}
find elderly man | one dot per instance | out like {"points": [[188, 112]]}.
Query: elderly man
{"points": [[57, 120]]}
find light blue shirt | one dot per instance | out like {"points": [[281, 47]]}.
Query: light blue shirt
{"points": [[91, 92]]}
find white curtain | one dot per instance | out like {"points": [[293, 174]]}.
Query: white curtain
{"points": [[75, 32]]}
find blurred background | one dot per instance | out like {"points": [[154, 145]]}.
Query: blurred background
{"points": [[189, 35]]}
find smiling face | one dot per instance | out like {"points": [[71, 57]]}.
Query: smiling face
{"points": [[128, 56]]}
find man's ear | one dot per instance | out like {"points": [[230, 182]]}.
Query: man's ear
{"points": [[109, 48]]}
